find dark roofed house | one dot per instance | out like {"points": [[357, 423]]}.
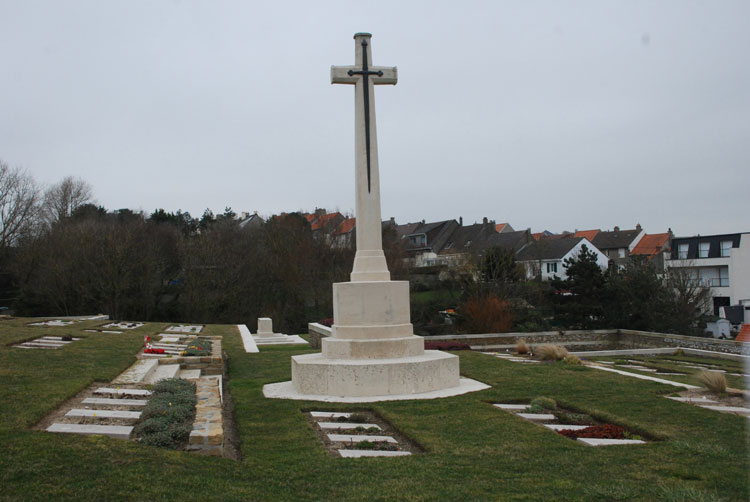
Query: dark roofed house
{"points": [[425, 240], [618, 244], [545, 258]]}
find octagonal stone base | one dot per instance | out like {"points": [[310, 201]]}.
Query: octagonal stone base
{"points": [[316, 375]]}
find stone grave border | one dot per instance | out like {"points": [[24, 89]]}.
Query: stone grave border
{"points": [[406, 445], [547, 421], [34, 338]]}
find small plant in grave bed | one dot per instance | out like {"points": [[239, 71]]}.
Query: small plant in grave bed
{"points": [[604, 431], [544, 403], [573, 418], [67, 338], [167, 419], [376, 445], [354, 418], [367, 429], [198, 347]]}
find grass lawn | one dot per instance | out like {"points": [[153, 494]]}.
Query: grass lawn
{"points": [[473, 451]]}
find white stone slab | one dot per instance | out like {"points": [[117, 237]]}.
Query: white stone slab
{"points": [[123, 325], [537, 416], [137, 372], [728, 409], [57, 339], [609, 442], [563, 427], [692, 400], [623, 352], [56, 322], [185, 328], [106, 401], [106, 331], [643, 377], [153, 356], [346, 425], [76, 412], [170, 339], [122, 391], [280, 340], [638, 368], [113, 431], [286, 390], [372, 453], [189, 374], [511, 406], [247, 339], [329, 414], [354, 438], [163, 371], [44, 345]]}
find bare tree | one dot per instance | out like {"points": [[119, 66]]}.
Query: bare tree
{"points": [[19, 204], [63, 198]]}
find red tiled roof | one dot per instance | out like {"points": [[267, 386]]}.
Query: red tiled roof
{"points": [[500, 226], [310, 217], [324, 220], [346, 226], [651, 244], [588, 234], [744, 335]]}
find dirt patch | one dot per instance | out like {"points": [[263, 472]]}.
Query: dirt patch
{"points": [[732, 398]]}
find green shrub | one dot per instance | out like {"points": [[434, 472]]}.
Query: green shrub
{"points": [[198, 347], [546, 403], [167, 418]]}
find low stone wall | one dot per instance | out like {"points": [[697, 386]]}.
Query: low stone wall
{"points": [[316, 332], [627, 338], [207, 436], [579, 340]]}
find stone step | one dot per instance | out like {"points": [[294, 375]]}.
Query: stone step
{"points": [[127, 415], [609, 442], [346, 425], [563, 427], [353, 438], [138, 372], [162, 372], [696, 400], [106, 401], [329, 414], [511, 406], [123, 391], [372, 453], [537, 416], [113, 431], [189, 374]]}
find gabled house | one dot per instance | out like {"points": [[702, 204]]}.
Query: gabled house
{"points": [[718, 262], [247, 220], [467, 240], [545, 258], [503, 227], [618, 244], [654, 248]]}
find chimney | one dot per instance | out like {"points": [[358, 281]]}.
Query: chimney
{"points": [[422, 222], [484, 220], [393, 220], [461, 221], [637, 226], [617, 229]]}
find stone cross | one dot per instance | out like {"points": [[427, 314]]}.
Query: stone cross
{"points": [[369, 262]]}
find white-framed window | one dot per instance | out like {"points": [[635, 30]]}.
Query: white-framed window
{"points": [[703, 248], [418, 240], [724, 276], [621, 252], [552, 268], [726, 248], [682, 251]]}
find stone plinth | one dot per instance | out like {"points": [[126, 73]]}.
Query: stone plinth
{"points": [[315, 374], [265, 326]]}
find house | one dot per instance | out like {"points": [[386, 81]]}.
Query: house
{"points": [[545, 258], [655, 248], [503, 227], [718, 262], [589, 234], [618, 244], [344, 235], [247, 220], [467, 240], [423, 241]]}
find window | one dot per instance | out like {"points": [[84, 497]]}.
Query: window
{"points": [[682, 251], [418, 240], [726, 248], [552, 268], [468, 243], [703, 248], [724, 276], [621, 252], [449, 245]]}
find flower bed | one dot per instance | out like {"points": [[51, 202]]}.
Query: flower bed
{"points": [[198, 347], [167, 419], [604, 431]]}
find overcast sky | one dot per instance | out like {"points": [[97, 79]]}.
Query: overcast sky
{"points": [[544, 114]]}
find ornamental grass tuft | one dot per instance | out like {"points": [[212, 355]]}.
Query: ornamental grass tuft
{"points": [[713, 381], [549, 352]]}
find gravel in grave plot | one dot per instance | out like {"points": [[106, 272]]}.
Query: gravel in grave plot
{"points": [[383, 438]]}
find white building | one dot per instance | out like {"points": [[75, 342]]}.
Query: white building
{"points": [[718, 262], [546, 257]]}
